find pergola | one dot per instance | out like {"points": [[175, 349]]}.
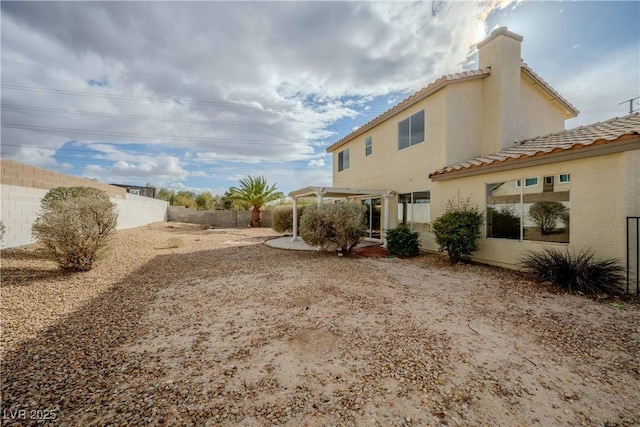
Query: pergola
{"points": [[322, 192]]}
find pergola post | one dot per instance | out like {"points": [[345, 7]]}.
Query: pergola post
{"points": [[295, 237], [387, 209]]}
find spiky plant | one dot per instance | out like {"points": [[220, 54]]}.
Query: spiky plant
{"points": [[581, 272], [256, 193]]}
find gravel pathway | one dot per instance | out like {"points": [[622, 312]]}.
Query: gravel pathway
{"points": [[223, 330]]}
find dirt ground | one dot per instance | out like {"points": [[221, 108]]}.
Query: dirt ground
{"points": [[183, 326]]}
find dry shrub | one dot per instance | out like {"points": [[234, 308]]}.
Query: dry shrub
{"points": [[282, 218], [340, 226], [75, 226]]}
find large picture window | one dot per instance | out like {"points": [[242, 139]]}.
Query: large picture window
{"points": [[343, 160], [411, 130], [530, 212]]}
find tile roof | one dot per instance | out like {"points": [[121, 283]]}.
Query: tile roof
{"points": [[444, 81], [418, 96], [597, 133]]}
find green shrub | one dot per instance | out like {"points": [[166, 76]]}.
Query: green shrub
{"points": [[282, 218], [403, 242], [75, 225], [458, 229], [337, 226], [576, 273]]}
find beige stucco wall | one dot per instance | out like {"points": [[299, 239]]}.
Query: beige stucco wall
{"points": [[388, 168], [604, 191], [464, 124], [542, 116]]}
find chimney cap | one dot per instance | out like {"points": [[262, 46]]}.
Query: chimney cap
{"points": [[501, 31]]}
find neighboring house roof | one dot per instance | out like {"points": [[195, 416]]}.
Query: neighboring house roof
{"points": [[445, 80], [413, 99], [611, 131]]}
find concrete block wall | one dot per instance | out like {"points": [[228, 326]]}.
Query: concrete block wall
{"points": [[135, 211], [20, 207], [21, 175], [221, 219], [24, 186]]}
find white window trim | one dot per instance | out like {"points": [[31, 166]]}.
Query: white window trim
{"points": [[519, 182], [368, 144], [568, 181]]}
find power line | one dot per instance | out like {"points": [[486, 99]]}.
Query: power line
{"points": [[161, 118], [145, 98], [194, 160], [248, 104], [138, 73], [167, 171], [143, 136]]}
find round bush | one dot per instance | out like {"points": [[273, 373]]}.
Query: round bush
{"points": [[75, 226], [337, 226], [403, 242], [458, 229]]}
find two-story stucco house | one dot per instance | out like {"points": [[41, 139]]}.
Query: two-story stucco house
{"points": [[496, 135]]}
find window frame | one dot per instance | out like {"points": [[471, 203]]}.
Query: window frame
{"points": [[342, 163], [519, 182], [368, 146], [568, 181], [409, 121]]}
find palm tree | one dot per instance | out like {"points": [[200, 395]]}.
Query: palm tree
{"points": [[256, 193]]}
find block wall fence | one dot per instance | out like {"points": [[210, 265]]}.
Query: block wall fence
{"points": [[23, 186], [221, 219]]}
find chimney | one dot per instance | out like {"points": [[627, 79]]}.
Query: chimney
{"points": [[501, 91]]}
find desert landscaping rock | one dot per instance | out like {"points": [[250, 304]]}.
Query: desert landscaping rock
{"points": [[221, 330]]}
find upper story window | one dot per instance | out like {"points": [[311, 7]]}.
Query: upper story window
{"points": [[564, 178], [343, 160], [368, 146], [411, 130]]}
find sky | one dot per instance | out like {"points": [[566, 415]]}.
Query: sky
{"points": [[196, 95]]}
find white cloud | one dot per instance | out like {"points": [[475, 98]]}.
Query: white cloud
{"points": [[232, 82], [316, 163]]}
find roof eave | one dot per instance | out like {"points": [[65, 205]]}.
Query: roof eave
{"points": [[626, 142], [437, 85], [570, 111]]}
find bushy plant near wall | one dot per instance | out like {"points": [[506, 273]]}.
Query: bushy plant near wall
{"points": [[458, 229], [403, 242], [282, 218], [75, 225], [581, 272], [337, 226]]}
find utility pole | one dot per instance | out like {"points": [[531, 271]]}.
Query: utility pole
{"points": [[630, 101]]}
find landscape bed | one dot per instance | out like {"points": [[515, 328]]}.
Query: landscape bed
{"points": [[185, 326]]}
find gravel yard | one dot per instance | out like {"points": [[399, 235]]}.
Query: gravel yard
{"points": [[223, 330]]}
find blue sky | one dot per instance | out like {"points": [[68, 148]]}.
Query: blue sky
{"points": [[197, 95]]}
